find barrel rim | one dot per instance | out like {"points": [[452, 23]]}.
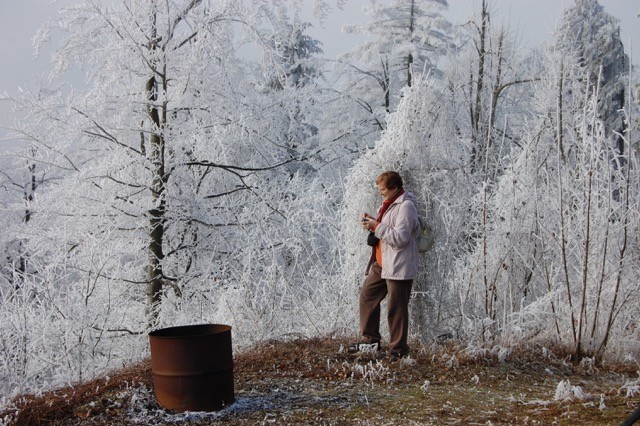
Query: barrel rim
{"points": [[188, 331]]}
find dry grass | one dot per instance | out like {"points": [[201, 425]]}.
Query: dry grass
{"points": [[58, 406], [313, 382]]}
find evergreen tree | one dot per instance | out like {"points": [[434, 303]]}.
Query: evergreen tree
{"points": [[408, 38], [590, 36], [292, 68]]}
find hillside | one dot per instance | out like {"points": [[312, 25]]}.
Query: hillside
{"points": [[316, 382]]}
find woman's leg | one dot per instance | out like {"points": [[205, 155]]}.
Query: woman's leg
{"points": [[373, 291], [398, 314]]}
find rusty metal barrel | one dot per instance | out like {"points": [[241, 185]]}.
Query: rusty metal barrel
{"points": [[192, 367]]}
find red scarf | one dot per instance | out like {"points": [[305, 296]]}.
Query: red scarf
{"points": [[387, 203]]}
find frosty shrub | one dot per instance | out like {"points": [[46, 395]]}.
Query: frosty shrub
{"points": [[559, 231], [421, 146]]}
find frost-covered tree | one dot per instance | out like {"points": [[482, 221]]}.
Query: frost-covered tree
{"points": [[289, 57], [407, 39], [556, 263], [488, 91], [592, 36], [17, 183], [407, 35], [489, 80], [291, 68], [170, 196]]}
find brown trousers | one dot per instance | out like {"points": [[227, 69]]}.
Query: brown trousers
{"points": [[373, 291]]}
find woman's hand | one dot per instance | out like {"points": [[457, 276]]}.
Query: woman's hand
{"points": [[367, 222]]}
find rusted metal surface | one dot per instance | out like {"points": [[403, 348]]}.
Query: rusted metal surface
{"points": [[193, 367]]}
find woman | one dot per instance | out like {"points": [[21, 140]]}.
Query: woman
{"points": [[392, 267]]}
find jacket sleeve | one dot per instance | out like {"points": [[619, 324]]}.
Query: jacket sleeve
{"points": [[399, 233]]}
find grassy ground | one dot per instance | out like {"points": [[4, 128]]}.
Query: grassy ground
{"points": [[316, 382]]}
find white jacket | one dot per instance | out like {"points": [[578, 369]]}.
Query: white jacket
{"points": [[398, 233]]}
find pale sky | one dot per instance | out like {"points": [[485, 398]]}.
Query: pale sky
{"points": [[530, 20]]}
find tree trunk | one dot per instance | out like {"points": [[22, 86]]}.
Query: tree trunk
{"points": [[157, 214], [476, 109], [411, 27], [20, 270]]}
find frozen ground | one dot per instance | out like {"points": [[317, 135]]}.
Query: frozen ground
{"points": [[316, 382]]}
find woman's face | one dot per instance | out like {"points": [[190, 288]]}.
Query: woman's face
{"points": [[386, 193]]}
